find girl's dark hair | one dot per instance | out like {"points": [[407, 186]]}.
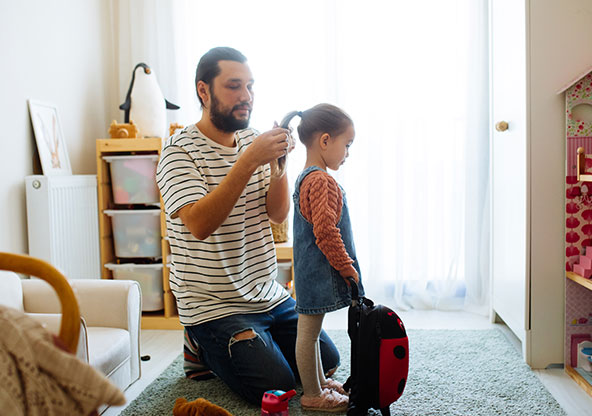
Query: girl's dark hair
{"points": [[208, 68], [322, 118]]}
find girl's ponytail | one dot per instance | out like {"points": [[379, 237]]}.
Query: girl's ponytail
{"points": [[288, 117], [278, 167]]}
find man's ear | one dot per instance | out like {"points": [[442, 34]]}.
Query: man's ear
{"points": [[203, 90], [324, 140]]}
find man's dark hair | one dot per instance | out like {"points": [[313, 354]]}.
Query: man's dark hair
{"points": [[208, 68]]}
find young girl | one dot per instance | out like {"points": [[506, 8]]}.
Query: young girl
{"points": [[324, 253]]}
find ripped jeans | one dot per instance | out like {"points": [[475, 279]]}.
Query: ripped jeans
{"points": [[265, 359]]}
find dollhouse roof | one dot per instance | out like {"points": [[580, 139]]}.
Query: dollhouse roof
{"points": [[575, 80]]}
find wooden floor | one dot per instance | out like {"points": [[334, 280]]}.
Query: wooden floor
{"points": [[163, 346]]}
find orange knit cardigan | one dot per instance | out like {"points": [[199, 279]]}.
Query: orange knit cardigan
{"points": [[320, 203]]}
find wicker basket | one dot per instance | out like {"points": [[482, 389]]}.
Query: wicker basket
{"points": [[280, 232]]}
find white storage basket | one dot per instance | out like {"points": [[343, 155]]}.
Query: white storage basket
{"points": [[149, 276], [136, 233], [133, 179]]}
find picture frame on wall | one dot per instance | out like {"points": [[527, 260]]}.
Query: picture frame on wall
{"points": [[49, 137]]}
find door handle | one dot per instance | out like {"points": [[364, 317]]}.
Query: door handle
{"points": [[502, 126]]}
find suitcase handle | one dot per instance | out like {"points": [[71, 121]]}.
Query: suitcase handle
{"points": [[354, 289]]}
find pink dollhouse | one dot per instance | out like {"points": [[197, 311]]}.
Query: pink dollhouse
{"points": [[578, 230]]}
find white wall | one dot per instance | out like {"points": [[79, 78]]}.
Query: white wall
{"points": [[59, 52]]}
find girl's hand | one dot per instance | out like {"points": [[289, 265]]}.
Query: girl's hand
{"points": [[350, 272]]}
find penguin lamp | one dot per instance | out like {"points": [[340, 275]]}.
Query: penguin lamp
{"points": [[145, 104]]}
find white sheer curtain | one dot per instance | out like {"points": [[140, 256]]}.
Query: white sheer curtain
{"points": [[413, 76]]}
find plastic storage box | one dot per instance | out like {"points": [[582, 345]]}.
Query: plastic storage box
{"points": [[136, 233], [133, 179], [149, 276]]}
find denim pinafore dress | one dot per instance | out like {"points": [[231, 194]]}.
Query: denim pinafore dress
{"points": [[319, 287]]}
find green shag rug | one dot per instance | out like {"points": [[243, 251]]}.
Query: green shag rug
{"points": [[451, 372]]}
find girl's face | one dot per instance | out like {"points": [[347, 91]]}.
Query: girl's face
{"points": [[337, 149]]}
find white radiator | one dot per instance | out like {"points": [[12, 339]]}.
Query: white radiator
{"points": [[63, 223]]}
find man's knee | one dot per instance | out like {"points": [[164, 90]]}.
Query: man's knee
{"points": [[246, 334], [248, 349]]}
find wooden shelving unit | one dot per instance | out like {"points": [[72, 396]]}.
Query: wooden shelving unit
{"points": [[167, 318]]}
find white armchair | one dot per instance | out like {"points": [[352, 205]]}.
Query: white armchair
{"points": [[110, 311]]}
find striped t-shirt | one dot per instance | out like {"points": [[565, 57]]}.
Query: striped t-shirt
{"points": [[233, 270]]}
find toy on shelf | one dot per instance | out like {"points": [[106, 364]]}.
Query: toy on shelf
{"points": [[174, 128], [123, 130], [145, 104]]}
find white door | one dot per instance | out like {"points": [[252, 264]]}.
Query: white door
{"points": [[509, 165]]}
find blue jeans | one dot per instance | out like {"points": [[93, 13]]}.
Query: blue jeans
{"points": [[265, 362]]}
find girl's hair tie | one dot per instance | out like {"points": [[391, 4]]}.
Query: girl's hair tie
{"points": [[299, 114]]}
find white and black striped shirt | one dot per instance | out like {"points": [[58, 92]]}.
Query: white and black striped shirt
{"points": [[234, 269]]}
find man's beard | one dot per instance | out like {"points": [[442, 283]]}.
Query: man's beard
{"points": [[226, 122]]}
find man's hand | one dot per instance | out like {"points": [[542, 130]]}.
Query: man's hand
{"points": [[291, 141], [204, 217], [268, 146]]}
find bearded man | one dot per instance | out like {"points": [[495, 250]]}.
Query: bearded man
{"points": [[219, 195]]}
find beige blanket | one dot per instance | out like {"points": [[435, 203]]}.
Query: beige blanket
{"points": [[38, 378]]}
